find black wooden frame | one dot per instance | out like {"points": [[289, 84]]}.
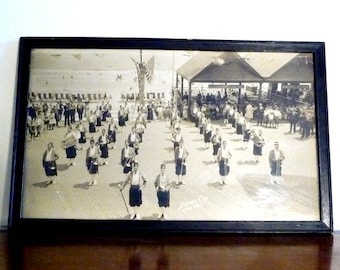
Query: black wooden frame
{"points": [[26, 226]]}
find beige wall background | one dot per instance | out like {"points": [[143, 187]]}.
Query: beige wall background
{"points": [[237, 20]]}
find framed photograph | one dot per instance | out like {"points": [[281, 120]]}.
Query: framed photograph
{"points": [[131, 135]]}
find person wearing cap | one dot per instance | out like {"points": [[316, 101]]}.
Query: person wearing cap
{"points": [[137, 182], [49, 163], [276, 157], [92, 155], [162, 185], [177, 136], [223, 157], [181, 155]]}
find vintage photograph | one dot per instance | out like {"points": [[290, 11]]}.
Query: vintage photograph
{"points": [[152, 134]]}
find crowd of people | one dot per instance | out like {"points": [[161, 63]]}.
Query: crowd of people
{"points": [[97, 125]]}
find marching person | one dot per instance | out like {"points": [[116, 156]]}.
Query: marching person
{"points": [[82, 129], [49, 163], [258, 141], [69, 143], [162, 185], [121, 116], [240, 121], [181, 155], [92, 122], [127, 157], [223, 158], [137, 182], [103, 141], [134, 140], [216, 140], [140, 130], [246, 133], [92, 155], [207, 132], [276, 157], [112, 132], [177, 136]]}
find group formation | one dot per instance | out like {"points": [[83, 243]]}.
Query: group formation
{"points": [[97, 152]]}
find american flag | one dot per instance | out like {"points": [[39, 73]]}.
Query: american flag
{"points": [[145, 69], [149, 69]]}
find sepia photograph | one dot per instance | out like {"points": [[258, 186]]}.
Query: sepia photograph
{"points": [[173, 133]]}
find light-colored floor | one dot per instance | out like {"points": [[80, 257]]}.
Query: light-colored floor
{"points": [[248, 194]]}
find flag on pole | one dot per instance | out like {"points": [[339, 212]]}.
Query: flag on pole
{"points": [[149, 69]]}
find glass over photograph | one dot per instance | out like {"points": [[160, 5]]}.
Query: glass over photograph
{"points": [[134, 134]]}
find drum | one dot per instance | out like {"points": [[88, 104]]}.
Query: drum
{"points": [[68, 142]]}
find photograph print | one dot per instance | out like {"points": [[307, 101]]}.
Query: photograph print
{"points": [[162, 134]]}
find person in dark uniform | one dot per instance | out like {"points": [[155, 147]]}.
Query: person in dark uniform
{"points": [[92, 155], [137, 182], [127, 157], [80, 109], [260, 114], [49, 163], [66, 110], [181, 155], [223, 157], [276, 157], [162, 185]]}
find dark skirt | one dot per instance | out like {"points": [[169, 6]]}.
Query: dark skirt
{"points": [[71, 152], [121, 121], [181, 169], [257, 150], [92, 128], [207, 136], [163, 198], [233, 122], [224, 168], [126, 166], [275, 168], [82, 138], [112, 136], [215, 148], [149, 115], [105, 151], [50, 168], [99, 122], [201, 130], [135, 196], [239, 129], [246, 136], [92, 165]]}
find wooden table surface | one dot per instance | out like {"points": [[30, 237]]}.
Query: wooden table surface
{"points": [[174, 252]]}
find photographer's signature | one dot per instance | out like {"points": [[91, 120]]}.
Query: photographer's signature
{"points": [[193, 204]]}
